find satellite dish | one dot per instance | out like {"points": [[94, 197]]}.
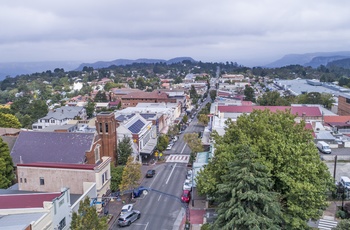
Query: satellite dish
{"points": [[145, 192]]}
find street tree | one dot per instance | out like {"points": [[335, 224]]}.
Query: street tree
{"points": [[131, 175], [193, 142], [287, 150], [249, 94], [245, 197], [185, 118], [124, 150], [203, 119], [163, 142], [87, 218], [6, 166], [116, 177], [212, 94], [173, 130], [9, 121]]}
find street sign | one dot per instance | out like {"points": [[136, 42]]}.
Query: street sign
{"points": [[156, 154]]}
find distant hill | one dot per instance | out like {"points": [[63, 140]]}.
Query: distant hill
{"points": [[119, 62], [309, 59], [13, 69], [344, 63]]}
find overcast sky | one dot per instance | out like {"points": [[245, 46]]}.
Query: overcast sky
{"points": [[250, 32]]}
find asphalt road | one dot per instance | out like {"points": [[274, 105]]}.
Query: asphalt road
{"points": [[159, 210]]}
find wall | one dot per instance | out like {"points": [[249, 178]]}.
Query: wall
{"points": [[54, 179], [343, 106]]}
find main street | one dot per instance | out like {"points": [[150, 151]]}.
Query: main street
{"points": [[163, 209]]}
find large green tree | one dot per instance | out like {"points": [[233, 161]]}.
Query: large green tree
{"points": [[6, 166], [124, 150], [87, 218], [287, 150], [245, 196], [249, 94], [90, 108], [163, 142]]}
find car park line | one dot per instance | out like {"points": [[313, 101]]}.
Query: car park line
{"points": [[170, 174]]}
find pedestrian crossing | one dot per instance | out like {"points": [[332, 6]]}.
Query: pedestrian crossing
{"points": [[324, 224], [178, 158]]}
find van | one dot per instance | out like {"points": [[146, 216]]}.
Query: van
{"points": [[323, 147]]}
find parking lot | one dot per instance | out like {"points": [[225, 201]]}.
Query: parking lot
{"points": [[343, 162]]}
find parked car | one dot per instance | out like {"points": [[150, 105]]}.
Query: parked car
{"points": [[189, 174], [126, 208], [187, 185], [169, 147], [150, 173], [129, 217], [345, 182], [186, 196], [175, 138]]}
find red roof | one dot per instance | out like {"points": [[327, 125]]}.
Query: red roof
{"points": [[59, 165], [296, 110], [329, 119], [33, 200]]}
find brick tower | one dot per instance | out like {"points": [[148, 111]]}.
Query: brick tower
{"points": [[106, 127]]}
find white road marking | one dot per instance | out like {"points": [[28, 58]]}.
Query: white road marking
{"points": [[170, 174], [159, 197], [153, 180], [146, 225], [178, 158], [183, 148]]}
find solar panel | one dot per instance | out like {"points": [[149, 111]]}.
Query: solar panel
{"points": [[137, 126], [147, 115]]}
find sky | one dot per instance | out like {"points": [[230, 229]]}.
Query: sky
{"points": [[249, 32]]}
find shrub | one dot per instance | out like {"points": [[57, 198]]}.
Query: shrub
{"points": [[340, 214]]}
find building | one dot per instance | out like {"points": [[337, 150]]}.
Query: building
{"points": [[132, 99], [344, 104], [60, 116]]}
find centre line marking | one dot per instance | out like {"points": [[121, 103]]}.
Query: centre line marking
{"points": [[170, 174], [183, 148]]}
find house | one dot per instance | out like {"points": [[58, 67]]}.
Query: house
{"points": [[344, 104], [60, 116]]}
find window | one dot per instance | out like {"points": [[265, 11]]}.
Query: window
{"points": [[20, 180], [104, 177], [106, 127], [42, 181], [100, 127], [348, 100], [97, 153], [25, 180], [62, 224]]}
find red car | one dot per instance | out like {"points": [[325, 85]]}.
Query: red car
{"points": [[186, 196]]}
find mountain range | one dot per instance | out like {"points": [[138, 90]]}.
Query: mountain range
{"points": [[314, 60]]}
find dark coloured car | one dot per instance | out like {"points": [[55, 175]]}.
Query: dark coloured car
{"points": [[150, 173]]}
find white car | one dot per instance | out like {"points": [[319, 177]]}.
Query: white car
{"points": [[127, 208], [169, 147], [187, 185], [189, 175]]}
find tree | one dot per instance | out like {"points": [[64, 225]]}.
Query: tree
{"points": [[38, 109], [131, 175], [272, 98], [327, 100], [288, 152], [185, 118], [193, 142], [9, 121], [245, 196], [193, 92], [124, 150], [173, 130], [87, 218], [163, 142], [90, 108], [249, 94], [101, 97], [343, 225], [212, 94], [116, 176], [6, 166], [203, 119]]}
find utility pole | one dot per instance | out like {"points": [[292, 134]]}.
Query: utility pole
{"points": [[335, 166]]}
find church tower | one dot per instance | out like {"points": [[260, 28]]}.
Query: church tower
{"points": [[106, 127]]}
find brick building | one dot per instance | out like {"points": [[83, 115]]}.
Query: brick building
{"points": [[344, 104], [133, 98]]}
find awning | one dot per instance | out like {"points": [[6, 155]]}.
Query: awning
{"points": [[149, 147]]}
